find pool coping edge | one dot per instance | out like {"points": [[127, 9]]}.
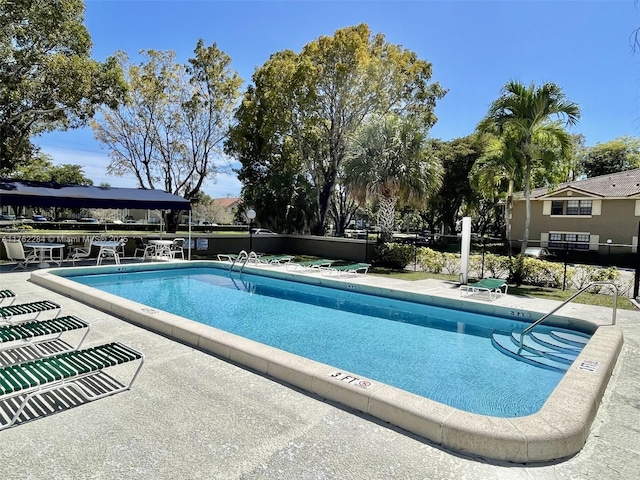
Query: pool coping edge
{"points": [[558, 430]]}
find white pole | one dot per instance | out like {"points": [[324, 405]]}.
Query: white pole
{"points": [[189, 248], [465, 250]]}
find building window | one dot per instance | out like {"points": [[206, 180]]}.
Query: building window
{"points": [[585, 207], [569, 241], [571, 207]]}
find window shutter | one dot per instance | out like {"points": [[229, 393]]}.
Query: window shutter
{"points": [[596, 207], [544, 239]]}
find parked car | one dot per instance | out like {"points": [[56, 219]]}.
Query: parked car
{"points": [[263, 231], [39, 218], [541, 253], [89, 220], [7, 217]]}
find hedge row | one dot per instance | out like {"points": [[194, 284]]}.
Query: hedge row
{"points": [[521, 270]]}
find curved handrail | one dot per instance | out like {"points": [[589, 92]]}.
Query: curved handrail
{"points": [[251, 255], [241, 255], [568, 300]]}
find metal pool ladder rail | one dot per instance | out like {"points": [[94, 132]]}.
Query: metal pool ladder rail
{"points": [[243, 257], [568, 300]]}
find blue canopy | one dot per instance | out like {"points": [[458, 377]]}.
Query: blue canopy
{"points": [[26, 193]]}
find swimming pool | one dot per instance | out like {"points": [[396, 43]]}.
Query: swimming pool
{"points": [[558, 429], [442, 354]]}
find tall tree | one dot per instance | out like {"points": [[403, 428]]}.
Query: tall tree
{"points": [[618, 155], [319, 99], [171, 127], [389, 161], [496, 172], [457, 157], [529, 116], [273, 176], [42, 169], [47, 79]]}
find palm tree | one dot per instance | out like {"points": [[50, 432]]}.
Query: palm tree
{"points": [[530, 116], [497, 168], [389, 162]]}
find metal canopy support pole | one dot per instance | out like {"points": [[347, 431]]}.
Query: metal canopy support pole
{"points": [[189, 244]]}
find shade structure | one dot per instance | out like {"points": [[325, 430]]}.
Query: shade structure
{"points": [[26, 193]]}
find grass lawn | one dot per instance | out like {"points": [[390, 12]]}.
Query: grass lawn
{"points": [[530, 291]]}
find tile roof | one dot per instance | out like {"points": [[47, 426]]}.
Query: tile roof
{"points": [[619, 185], [226, 202]]}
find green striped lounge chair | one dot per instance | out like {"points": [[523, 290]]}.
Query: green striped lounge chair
{"points": [[352, 268], [26, 311], [7, 296], [35, 333], [21, 382], [494, 287], [275, 259], [310, 264]]}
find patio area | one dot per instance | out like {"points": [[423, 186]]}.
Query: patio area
{"points": [[191, 415]]}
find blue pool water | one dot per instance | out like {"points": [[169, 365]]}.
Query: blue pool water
{"points": [[442, 354]]}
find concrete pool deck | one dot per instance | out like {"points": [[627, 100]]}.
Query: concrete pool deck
{"points": [[192, 415]]}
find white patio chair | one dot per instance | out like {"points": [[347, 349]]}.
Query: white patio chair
{"points": [[80, 252], [15, 253], [177, 248]]}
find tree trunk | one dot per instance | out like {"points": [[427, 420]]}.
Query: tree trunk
{"points": [[386, 217], [527, 205], [171, 220], [507, 215]]}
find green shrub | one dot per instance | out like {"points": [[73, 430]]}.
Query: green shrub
{"points": [[451, 264], [544, 274], [430, 260], [395, 255], [475, 266], [585, 274], [496, 266]]}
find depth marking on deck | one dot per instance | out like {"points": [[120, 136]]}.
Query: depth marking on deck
{"points": [[589, 365], [148, 310], [350, 379]]}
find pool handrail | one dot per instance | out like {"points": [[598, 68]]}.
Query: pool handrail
{"points": [[245, 258], [568, 300], [240, 255]]}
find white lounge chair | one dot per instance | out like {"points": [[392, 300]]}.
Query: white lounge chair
{"points": [[275, 259], [352, 268], [310, 264]]}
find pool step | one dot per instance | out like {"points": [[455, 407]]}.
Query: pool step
{"points": [[553, 350]]}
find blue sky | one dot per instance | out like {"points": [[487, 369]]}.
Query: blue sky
{"points": [[475, 48]]}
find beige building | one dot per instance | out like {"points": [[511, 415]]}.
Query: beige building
{"points": [[225, 209], [592, 214]]}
